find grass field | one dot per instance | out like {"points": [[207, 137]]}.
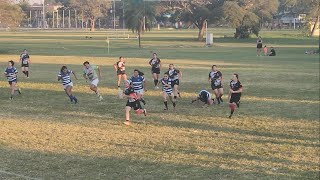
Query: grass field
{"points": [[273, 135]]}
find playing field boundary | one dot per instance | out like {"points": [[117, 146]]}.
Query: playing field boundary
{"points": [[18, 175]]}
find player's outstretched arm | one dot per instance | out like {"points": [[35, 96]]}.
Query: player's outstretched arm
{"points": [[75, 76], [99, 73]]}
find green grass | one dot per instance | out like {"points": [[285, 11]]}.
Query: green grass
{"points": [[274, 134]]}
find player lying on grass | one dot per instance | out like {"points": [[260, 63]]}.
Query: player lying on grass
{"points": [[132, 102], [167, 91], [204, 96], [234, 93], [64, 76], [90, 72], [11, 74]]}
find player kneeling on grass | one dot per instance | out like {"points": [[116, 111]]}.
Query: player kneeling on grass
{"points": [[11, 75], [167, 91], [64, 76], [204, 96], [90, 72], [133, 102], [234, 93]]}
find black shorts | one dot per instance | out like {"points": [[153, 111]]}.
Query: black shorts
{"points": [[213, 86], [133, 105], [120, 72], [235, 98], [175, 82], [259, 46], [24, 65], [155, 70]]}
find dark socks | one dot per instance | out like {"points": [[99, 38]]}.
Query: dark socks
{"points": [[138, 104], [71, 98], [143, 101], [221, 98], [155, 82], [175, 97], [218, 99], [166, 104], [174, 104], [27, 73]]}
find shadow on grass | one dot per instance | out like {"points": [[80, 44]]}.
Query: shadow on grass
{"points": [[64, 166]]}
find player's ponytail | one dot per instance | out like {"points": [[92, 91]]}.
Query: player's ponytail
{"points": [[63, 68], [237, 76], [12, 62]]}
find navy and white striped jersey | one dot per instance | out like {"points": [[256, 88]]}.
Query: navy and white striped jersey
{"points": [[137, 82], [173, 74], [65, 77], [165, 88], [204, 95], [11, 74]]}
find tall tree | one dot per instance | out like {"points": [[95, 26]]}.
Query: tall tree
{"points": [[90, 9], [246, 15], [11, 15], [137, 13], [198, 12]]}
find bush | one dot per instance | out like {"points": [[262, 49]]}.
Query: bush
{"points": [[245, 31]]}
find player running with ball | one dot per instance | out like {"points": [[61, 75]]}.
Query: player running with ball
{"points": [[139, 84], [133, 102], [64, 76], [90, 72]]}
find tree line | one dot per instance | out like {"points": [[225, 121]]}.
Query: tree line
{"points": [[245, 16]]}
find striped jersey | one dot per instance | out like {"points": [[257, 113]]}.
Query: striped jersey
{"points": [[166, 89], [65, 77], [11, 73], [137, 82]]}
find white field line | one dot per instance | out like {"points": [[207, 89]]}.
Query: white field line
{"points": [[18, 175]]}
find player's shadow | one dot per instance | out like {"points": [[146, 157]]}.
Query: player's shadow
{"points": [[55, 165]]}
